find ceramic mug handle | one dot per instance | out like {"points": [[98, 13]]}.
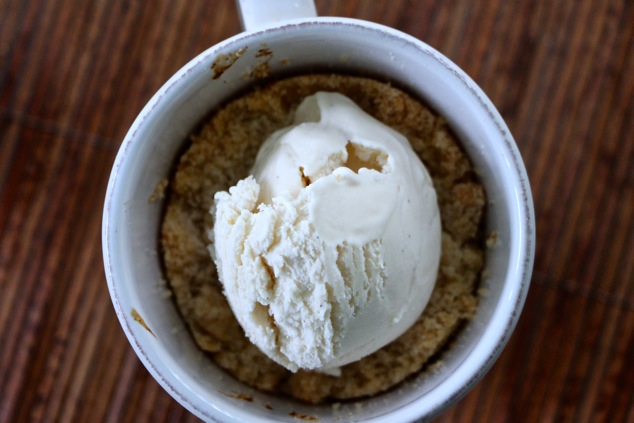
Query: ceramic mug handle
{"points": [[255, 14]]}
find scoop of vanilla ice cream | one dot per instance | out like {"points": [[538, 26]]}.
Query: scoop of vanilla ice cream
{"points": [[330, 250]]}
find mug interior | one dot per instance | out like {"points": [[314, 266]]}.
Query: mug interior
{"points": [[131, 222]]}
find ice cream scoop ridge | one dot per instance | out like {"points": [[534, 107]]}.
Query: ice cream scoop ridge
{"points": [[330, 249]]}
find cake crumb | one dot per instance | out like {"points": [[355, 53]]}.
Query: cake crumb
{"points": [[304, 417], [159, 190], [137, 318], [492, 240], [240, 396], [224, 61]]}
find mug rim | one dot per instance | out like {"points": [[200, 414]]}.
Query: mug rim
{"points": [[493, 339]]}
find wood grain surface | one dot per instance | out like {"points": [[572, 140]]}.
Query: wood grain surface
{"points": [[74, 74]]}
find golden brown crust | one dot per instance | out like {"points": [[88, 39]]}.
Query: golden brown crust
{"points": [[224, 151]]}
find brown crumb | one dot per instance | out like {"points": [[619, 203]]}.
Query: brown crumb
{"points": [[492, 240], [261, 70], [303, 416], [159, 191], [224, 61], [240, 396], [137, 318], [305, 179], [264, 51]]}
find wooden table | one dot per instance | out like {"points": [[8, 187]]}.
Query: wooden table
{"points": [[74, 74]]}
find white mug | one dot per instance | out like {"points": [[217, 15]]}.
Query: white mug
{"points": [[293, 40]]}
